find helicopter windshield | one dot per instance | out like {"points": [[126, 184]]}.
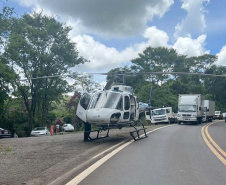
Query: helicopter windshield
{"points": [[95, 99], [106, 100]]}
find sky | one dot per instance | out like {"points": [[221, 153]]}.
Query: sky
{"points": [[110, 33]]}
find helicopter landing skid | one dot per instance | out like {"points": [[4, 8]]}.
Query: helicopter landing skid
{"points": [[137, 131], [97, 136]]}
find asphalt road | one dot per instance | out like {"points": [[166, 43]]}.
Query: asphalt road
{"points": [[176, 155]]}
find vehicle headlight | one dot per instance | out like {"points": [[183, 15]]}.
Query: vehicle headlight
{"points": [[115, 118]]}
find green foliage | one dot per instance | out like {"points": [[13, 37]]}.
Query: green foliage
{"points": [[85, 83], [39, 46], [7, 75], [166, 88]]}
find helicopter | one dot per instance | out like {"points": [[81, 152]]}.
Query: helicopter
{"points": [[114, 107]]}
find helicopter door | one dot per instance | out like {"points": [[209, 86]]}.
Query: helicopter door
{"points": [[83, 106], [126, 114]]}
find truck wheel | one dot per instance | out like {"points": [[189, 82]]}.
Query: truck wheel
{"points": [[179, 122]]}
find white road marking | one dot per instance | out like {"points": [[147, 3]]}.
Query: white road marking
{"points": [[93, 167]]}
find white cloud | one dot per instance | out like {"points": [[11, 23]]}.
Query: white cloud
{"points": [[191, 47], [110, 18], [156, 37], [102, 57], [194, 22], [123, 18], [221, 57]]}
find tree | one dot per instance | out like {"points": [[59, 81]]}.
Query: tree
{"points": [[7, 75], [85, 83], [39, 46], [167, 87], [216, 86], [158, 59]]}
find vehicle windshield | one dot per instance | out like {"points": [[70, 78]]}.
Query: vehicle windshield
{"points": [[105, 100], [217, 112], [159, 112], [187, 108], [94, 100], [39, 128]]}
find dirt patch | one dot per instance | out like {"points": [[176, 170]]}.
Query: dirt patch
{"points": [[40, 160]]}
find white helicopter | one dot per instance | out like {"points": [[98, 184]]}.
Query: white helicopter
{"points": [[114, 107]]}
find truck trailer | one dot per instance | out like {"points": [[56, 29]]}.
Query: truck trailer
{"points": [[209, 110], [190, 108]]}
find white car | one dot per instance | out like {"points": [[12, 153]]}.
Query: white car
{"points": [[40, 131], [224, 114], [68, 128], [2, 131]]}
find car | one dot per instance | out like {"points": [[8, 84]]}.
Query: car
{"points": [[68, 128], [2, 131], [218, 115], [40, 131], [224, 114]]}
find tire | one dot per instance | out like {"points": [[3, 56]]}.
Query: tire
{"points": [[179, 123]]}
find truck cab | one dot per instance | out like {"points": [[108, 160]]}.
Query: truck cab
{"points": [[218, 115], [190, 108], [163, 115]]}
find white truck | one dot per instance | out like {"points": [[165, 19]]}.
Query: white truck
{"points": [[190, 108], [209, 110], [163, 115]]}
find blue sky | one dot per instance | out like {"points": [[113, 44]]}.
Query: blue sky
{"points": [[110, 33]]}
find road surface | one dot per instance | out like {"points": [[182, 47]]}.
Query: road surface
{"points": [[175, 155]]}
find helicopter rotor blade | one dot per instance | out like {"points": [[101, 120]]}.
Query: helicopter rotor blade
{"points": [[127, 74]]}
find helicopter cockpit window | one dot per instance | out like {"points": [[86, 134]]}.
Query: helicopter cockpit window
{"points": [[95, 99], [84, 102], [119, 106], [127, 103], [109, 100]]}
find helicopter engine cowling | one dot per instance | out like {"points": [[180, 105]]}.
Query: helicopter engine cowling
{"points": [[103, 116]]}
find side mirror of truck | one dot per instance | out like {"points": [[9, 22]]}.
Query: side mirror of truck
{"points": [[199, 108]]}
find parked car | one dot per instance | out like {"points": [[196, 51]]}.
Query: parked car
{"points": [[218, 115], [40, 131], [2, 131], [68, 128]]}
